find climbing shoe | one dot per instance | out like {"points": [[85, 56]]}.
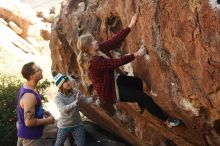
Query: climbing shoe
{"points": [[173, 123], [142, 110]]}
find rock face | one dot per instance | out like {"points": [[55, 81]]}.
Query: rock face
{"points": [[182, 75], [19, 13], [21, 29]]}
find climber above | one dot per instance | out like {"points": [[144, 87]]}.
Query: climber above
{"points": [[95, 58]]}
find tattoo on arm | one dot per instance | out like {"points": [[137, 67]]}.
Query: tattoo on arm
{"points": [[28, 114]]}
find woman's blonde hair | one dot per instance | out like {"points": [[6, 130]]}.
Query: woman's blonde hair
{"points": [[84, 44]]}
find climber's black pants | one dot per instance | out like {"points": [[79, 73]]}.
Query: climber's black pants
{"points": [[131, 90]]}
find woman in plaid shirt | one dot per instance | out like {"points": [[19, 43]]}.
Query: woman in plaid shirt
{"points": [[96, 63]]}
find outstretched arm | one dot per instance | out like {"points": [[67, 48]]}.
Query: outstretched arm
{"points": [[102, 64], [113, 42], [65, 108], [118, 38]]}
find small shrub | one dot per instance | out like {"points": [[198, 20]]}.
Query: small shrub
{"points": [[9, 87], [41, 87]]}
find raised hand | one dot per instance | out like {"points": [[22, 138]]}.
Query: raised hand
{"points": [[141, 52], [133, 21]]}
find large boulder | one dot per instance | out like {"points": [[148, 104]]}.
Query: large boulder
{"points": [[182, 75], [19, 13]]}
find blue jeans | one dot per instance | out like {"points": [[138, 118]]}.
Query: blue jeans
{"points": [[78, 133]]}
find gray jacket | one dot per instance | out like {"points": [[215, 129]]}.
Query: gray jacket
{"points": [[69, 113]]}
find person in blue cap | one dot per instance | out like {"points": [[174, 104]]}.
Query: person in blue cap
{"points": [[67, 101]]}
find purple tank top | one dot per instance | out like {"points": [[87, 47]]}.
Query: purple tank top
{"points": [[29, 132]]}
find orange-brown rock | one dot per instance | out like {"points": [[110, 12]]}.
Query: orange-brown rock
{"points": [[19, 13], [45, 34], [182, 75], [14, 27]]}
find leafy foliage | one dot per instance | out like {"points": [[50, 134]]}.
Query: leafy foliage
{"points": [[9, 87], [41, 87]]}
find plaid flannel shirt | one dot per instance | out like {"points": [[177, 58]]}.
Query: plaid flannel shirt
{"points": [[101, 70]]}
